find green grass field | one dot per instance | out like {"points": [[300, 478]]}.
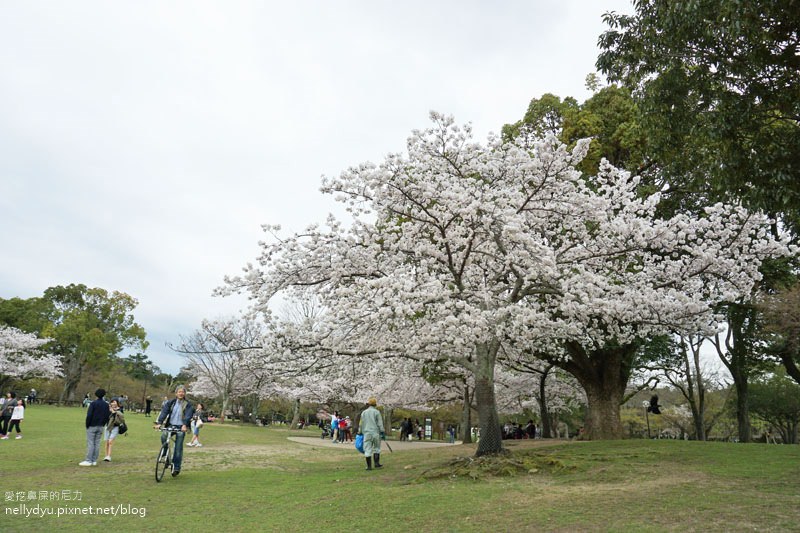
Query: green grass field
{"points": [[249, 478]]}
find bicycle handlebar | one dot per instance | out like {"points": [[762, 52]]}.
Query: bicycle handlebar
{"points": [[171, 429]]}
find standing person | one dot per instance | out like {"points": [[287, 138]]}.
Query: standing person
{"points": [[335, 426], [16, 417], [348, 429], [8, 410], [96, 419], [530, 429], [409, 429], [148, 406], [197, 423], [176, 412], [86, 400], [115, 418], [371, 427]]}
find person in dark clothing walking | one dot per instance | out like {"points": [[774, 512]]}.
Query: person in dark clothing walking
{"points": [[96, 419], [148, 406], [7, 411]]}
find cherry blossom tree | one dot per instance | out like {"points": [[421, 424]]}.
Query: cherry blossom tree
{"points": [[457, 248], [540, 387], [220, 356], [21, 356]]}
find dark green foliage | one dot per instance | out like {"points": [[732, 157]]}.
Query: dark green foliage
{"points": [[776, 399], [718, 84], [610, 117]]}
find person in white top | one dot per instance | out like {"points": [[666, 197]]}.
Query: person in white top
{"points": [[16, 418]]}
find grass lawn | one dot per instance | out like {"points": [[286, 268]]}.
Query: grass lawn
{"points": [[248, 478]]}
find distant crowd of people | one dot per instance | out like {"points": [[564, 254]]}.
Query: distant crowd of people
{"points": [[340, 428], [515, 430], [409, 429]]}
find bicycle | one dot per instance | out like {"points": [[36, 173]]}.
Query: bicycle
{"points": [[164, 459]]}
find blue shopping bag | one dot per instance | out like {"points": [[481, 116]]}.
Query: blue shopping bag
{"points": [[360, 443]]}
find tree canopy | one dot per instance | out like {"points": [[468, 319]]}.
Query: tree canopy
{"points": [[86, 326], [718, 84]]}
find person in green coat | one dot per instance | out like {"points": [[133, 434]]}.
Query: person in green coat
{"points": [[371, 427]]}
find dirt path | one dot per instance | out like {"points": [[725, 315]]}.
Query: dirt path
{"points": [[395, 444]]}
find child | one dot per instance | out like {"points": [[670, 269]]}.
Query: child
{"points": [[16, 417]]}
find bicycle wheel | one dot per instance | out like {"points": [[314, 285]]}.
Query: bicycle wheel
{"points": [[162, 462]]}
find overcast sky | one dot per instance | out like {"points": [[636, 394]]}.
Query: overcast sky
{"points": [[143, 144]]}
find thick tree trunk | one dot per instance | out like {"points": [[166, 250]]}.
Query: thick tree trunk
{"points": [[69, 389], [387, 419], [254, 404], [603, 415], [604, 375], [491, 441], [700, 422], [466, 416], [295, 414], [742, 409], [225, 403], [72, 376], [694, 389], [739, 344], [547, 427]]}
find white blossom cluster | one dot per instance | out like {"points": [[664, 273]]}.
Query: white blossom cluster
{"points": [[457, 243], [458, 249], [21, 355]]}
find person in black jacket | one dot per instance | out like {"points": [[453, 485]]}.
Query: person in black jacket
{"points": [[96, 418], [176, 412], [6, 411]]}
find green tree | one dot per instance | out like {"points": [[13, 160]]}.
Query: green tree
{"points": [[140, 367], [29, 315], [609, 117], [719, 88], [89, 326], [544, 116], [776, 399]]}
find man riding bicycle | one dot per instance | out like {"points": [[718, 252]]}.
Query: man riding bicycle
{"points": [[176, 412]]}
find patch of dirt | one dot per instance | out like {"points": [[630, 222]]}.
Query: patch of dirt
{"points": [[234, 456], [492, 466]]}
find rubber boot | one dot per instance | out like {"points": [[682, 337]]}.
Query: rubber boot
{"points": [[377, 458], [369, 463]]}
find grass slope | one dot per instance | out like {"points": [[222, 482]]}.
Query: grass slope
{"points": [[253, 479]]}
